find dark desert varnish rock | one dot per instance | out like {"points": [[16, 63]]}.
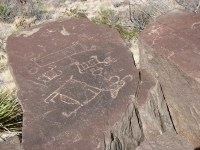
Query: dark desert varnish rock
{"points": [[169, 49], [75, 80], [152, 107]]}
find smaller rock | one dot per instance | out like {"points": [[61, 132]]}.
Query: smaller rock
{"points": [[167, 141], [12, 143]]}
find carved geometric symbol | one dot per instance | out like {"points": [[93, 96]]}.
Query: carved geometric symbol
{"points": [[77, 94]]}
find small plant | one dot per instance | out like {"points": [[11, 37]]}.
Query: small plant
{"points": [[42, 7], [3, 38], [105, 16], [74, 12], [5, 12], [11, 9], [111, 19], [2, 65], [63, 1], [2, 61], [126, 34], [10, 112]]}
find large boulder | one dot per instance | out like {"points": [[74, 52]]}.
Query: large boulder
{"points": [[169, 49], [76, 83]]}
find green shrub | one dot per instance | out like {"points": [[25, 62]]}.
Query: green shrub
{"points": [[110, 18], [126, 34], [10, 112], [42, 8], [2, 66], [74, 12], [8, 10], [5, 12], [105, 16], [63, 1]]}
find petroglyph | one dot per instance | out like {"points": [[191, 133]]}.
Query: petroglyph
{"points": [[62, 54], [172, 53], [71, 136], [84, 36], [43, 50], [50, 30], [68, 92], [97, 71], [114, 87], [47, 33], [195, 25], [31, 68], [28, 33], [92, 63], [77, 94], [64, 32], [49, 75], [156, 31], [28, 55]]}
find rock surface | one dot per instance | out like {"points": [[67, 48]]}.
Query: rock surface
{"points": [[76, 82], [152, 107], [169, 49], [167, 141]]}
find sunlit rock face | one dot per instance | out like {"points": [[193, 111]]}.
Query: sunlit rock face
{"points": [[75, 82], [169, 50], [154, 113]]}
